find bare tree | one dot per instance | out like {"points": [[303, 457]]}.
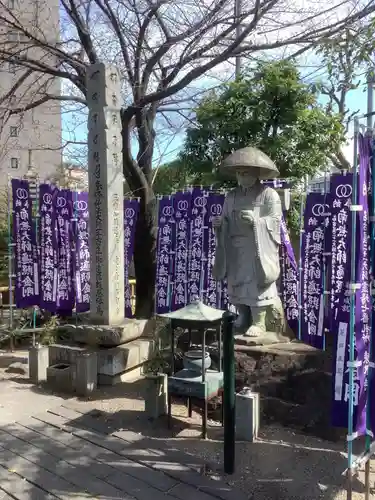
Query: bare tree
{"points": [[163, 48], [348, 61]]}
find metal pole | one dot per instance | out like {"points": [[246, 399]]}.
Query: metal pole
{"points": [[370, 97], [32, 179], [352, 314], [301, 230], [10, 263], [229, 394], [75, 238], [237, 13], [370, 107]]}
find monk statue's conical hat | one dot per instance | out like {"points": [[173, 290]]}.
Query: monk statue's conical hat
{"points": [[251, 158]]}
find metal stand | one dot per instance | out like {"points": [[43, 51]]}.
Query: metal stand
{"points": [[11, 246], [229, 395]]}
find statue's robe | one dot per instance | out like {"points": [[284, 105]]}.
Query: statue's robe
{"points": [[247, 255]]}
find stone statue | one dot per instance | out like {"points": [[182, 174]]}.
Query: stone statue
{"points": [[248, 239]]}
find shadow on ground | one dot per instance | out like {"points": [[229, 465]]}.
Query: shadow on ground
{"points": [[282, 465]]}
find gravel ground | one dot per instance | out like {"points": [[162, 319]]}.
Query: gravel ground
{"points": [[281, 465]]}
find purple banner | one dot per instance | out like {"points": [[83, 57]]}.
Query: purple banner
{"points": [[48, 247], [362, 301], [182, 210], [371, 393], [198, 245], [131, 210], [288, 279], [341, 195], [165, 255], [65, 288], [312, 317], [213, 289], [26, 257], [82, 253]]}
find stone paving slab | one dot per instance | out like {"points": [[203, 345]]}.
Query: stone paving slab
{"points": [[68, 455]]}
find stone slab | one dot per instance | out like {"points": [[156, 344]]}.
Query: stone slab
{"points": [[268, 338], [11, 483], [77, 475], [116, 360], [86, 332], [40, 477], [173, 463], [101, 462], [282, 349], [127, 376]]}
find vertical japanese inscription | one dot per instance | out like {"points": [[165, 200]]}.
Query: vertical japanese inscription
{"points": [[105, 195]]}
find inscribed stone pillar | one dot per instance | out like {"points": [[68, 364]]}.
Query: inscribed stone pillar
{"points": [[106, 215]]}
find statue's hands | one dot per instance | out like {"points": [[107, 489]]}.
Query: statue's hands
{"points": [[216, 222], [248, 216]]}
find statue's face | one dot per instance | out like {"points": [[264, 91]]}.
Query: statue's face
{"points": [[245, 177]]}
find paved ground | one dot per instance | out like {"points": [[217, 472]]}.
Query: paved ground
{"points": [[105, 448], [17, 396], [64, 454]]}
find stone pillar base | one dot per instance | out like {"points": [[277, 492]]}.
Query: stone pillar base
{"points": [[247, 416], [86, 373], [156, 398], [38, 363]]}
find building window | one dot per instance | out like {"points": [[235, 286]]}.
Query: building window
{"points": [[13, 36], [14, 131], [14, 163], [11, 4]]}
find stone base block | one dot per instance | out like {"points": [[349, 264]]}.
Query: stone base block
{"points": [[38, 364], [60, 377], [105, 335], [128, 376], [156, 398], [61, 353], [267, 339], [120, 359], [247, 416], [86, 373]]}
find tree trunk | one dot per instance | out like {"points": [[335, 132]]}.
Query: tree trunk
{"points": [[145, 256], [138, 175]]}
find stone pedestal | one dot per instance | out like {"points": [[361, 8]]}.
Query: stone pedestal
{"points": [[247, 416], [268, 338], [86, 373], [156, 397], [38, 363]]}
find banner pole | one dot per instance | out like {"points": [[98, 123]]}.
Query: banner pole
{"points": [[351, 367], [301, 212], [369, 435], [10, 263], [75, 239], [325, 267]]}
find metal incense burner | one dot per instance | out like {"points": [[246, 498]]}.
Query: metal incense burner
{"points": [[196, 380]]}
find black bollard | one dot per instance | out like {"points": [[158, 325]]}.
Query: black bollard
{"points": [[229, 394]]}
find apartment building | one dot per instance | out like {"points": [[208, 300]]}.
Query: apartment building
{"points": [[30, 140]]}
